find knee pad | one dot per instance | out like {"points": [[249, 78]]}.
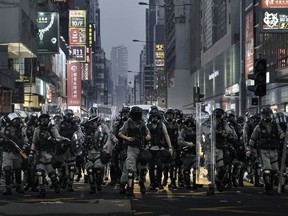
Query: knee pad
{"points": [[53, 176], [130, 175], [41, 175], [7, 169], [40, 172], [90, 170], [72, 168]]}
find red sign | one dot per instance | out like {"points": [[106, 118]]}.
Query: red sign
{"points": [[74, 84], [77, 36], [249, 43], [274, 4]]}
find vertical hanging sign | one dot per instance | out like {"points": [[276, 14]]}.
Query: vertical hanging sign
{"points": [[74, 90]]}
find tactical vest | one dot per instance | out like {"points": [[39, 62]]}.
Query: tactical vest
{"points": [[220, 140], [67, 130], [44, 144], [17, 138], [173, 133], [138, 132], [157, 135], [190, 136], [268, 140]]}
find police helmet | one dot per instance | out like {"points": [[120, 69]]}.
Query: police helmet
{"points": [[153, 114], [266, 114], [33, 119], [68, 115], [178, 114], [93, 112], [44, 118], [218, 112], [136, 113], [169, 115], [15, 119], [125, 109], [240, 120], [76, 120], [57, 118], [230, 114], [124, 113], [189, 121]]}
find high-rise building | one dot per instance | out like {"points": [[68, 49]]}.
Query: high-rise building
{"points": [[119, 70]]}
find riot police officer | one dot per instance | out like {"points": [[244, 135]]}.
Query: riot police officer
{"points": [[29, 172], [222, 132], [45, 140], [159, 145], [12, 161], [119, 152], [268, 134], [66, 129], [187, 142], [134, 132], [175, 163], [97, 135]]}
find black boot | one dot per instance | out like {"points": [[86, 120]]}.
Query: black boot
{"points": [[19, 189], [92, 189], [142, 187], [165, 179], [41, 193], [130, 188], [122, 189], [7, 191], [187, 179], [211, 191], [70, 188]]}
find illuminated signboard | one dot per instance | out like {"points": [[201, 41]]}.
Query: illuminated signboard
{"points": [[274, 4], [90, 36], [159, 55], [74, 89], [77, 35], [274, 16], [77, 18], [78, 53], [48, 32]]}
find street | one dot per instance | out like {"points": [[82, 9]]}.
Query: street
{"points": [[246, 200]]}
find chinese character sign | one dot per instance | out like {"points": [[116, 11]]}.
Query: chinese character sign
{"points": [[74, 84], [274, 16]]}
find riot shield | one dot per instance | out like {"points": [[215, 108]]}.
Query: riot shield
{"points": [[77, 142], [205, 143]]}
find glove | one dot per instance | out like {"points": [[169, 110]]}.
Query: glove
{"points": [[170, 151]]}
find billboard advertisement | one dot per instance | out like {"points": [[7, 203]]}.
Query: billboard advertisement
{"points": [[77, 35], [74, 90], [274, 16], [78, 53], [274, 4], [249, 43], [48, 32], [77, 19]]}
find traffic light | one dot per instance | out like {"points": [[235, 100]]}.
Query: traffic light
{"points": [[197, 95], [259, 77]]}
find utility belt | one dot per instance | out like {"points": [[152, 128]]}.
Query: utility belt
{"points": [[136, 143]]}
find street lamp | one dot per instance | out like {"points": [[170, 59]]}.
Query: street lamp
{"points": [[174, 5]]}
